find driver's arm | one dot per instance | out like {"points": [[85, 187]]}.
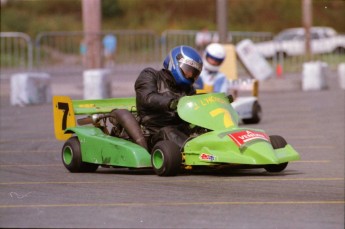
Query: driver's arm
{"points": [[147, 92]]}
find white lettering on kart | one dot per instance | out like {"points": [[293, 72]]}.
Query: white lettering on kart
{"points": [[242, 137]]}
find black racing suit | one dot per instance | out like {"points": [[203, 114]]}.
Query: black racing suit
{"points": [[154, 92]]}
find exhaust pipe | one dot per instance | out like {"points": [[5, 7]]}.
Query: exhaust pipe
{"points": [[130, 124]]}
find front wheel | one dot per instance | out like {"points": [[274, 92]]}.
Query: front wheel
{"points": [[256, 114], [277, 142], [72, 159], [166, 158]]}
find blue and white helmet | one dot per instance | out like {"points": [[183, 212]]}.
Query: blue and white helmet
{"points": [[214, 57], [184, 63]]}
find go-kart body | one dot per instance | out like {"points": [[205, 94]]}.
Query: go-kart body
{"points": [[96, 144], [222, 141], [226, 142]]}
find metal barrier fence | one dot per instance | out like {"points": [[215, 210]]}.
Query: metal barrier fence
{"points": [[16, 51], [63, 52]]}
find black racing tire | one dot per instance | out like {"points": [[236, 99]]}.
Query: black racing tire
{"points": [[277, 143], [72, 158], [256, 114], [166, 158]]}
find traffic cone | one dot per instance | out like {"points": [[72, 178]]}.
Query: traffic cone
{"points": [[279, 70]]}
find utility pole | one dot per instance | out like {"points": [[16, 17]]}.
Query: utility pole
{"points": [[91, 10], [222, 20], [307, 22]]}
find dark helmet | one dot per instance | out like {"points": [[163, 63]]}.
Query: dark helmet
{"points": [[184, 63]]}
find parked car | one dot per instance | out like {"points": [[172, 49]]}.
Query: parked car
{"points": [[291, 42]]}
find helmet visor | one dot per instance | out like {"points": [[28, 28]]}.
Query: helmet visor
{"points": [[189, 72], [214, 61], [190, 69]]}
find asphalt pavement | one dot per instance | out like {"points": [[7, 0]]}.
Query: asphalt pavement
{"points": [[36, 191]]}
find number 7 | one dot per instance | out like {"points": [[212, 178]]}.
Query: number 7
{"points": [[227, 117], [65, 108]]}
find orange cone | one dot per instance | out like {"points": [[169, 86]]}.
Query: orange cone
{"points": [[279, 70]]}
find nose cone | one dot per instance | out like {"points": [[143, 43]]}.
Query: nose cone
{"points": [[261, 153]]}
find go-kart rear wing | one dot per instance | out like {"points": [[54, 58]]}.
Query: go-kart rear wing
{"points": [[65, 109]]}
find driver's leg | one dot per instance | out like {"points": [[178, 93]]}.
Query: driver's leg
{"points": [[171, 133]]}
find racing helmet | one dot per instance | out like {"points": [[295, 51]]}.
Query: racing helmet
{"points": [[213, 57], [184, 63]]}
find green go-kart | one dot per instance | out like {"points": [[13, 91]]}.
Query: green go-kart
{"points": [[218, 141]]}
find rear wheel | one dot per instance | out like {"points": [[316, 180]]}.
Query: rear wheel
{"points": [[277, 142], [166, 158], [72, 159], [256, 114]]}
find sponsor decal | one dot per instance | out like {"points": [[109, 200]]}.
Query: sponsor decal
{"points": [[212, 99], [242, 137], [207, 157]]}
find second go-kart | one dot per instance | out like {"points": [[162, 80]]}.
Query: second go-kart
{"points": [[218, 141], [247, 107]]}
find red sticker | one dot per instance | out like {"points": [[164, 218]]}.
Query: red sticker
{"points": [[242, 137]]}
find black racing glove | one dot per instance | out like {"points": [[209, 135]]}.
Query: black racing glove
{"points": [[173, 104], [230, 98]]}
